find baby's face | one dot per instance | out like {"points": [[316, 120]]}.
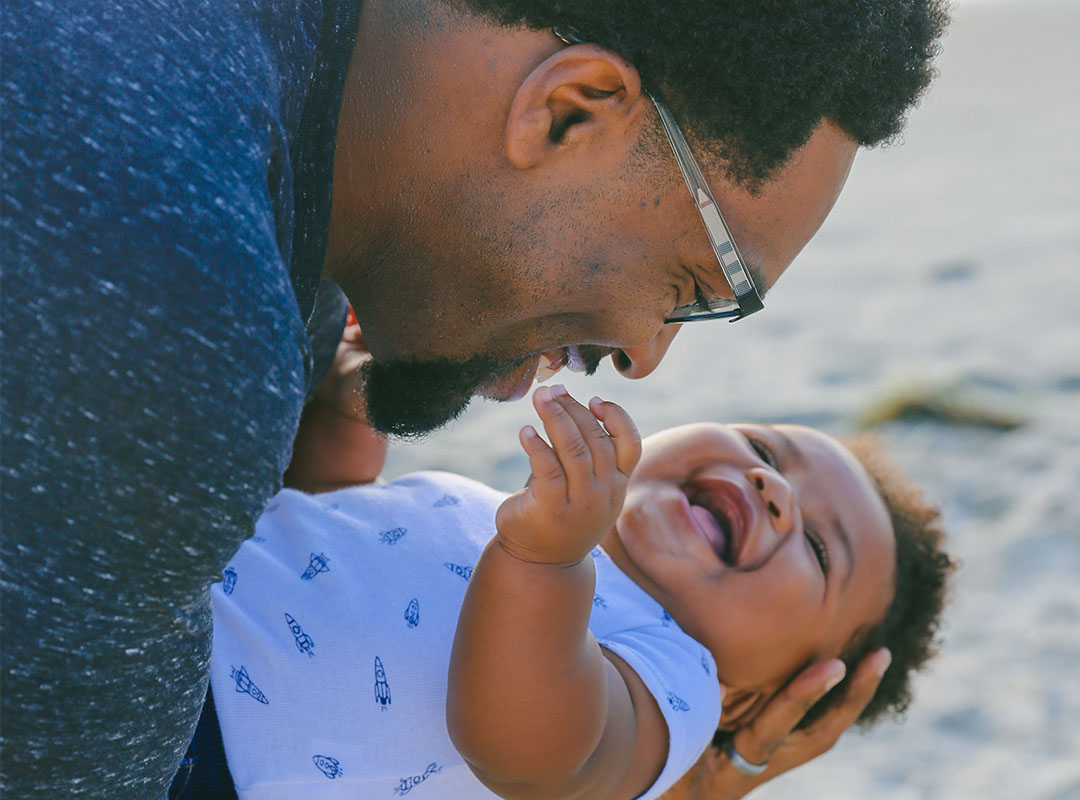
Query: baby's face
{"points": [[768, 544]]}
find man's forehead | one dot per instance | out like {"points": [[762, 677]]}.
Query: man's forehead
{"points": [[773, 221]]}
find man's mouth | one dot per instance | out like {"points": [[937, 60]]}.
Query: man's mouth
{"points": [[551, 361], [719, 520], [516, 384], [513, 385]]}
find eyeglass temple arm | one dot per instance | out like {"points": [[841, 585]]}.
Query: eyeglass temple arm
{"points": [[722, 241], [719, 234]]}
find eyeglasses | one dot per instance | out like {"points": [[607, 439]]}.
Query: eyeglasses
{"points": [[747, 298]]}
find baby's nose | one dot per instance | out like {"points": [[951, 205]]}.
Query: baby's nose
{"points": [[776, 495]]}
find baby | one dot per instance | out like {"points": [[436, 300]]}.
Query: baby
{"points": [[586, 637]]}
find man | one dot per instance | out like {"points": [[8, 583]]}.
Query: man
{"points": [[493, 198]]}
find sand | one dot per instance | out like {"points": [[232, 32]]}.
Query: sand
{"points": [[951, 261]]}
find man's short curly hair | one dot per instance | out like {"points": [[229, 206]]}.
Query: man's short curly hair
{"points": [[910, 626], [758, 78]]}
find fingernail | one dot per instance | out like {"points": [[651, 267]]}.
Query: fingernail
{"points": [[559, 390], [596, 401], [543, 394], [883, 663], [835, 679]]}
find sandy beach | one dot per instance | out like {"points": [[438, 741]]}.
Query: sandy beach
{"points": [[950, 267]]}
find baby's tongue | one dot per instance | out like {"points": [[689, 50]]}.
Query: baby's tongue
{"points": [[710, 528]]}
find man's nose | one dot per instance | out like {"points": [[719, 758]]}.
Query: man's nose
{"points": [[637, 362], [777, 497]]}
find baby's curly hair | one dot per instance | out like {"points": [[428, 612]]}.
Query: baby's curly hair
{"points": [[923, 569], [757, 78]]}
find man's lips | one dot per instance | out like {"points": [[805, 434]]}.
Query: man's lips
{"points": [[551, 361], [516, 384]]}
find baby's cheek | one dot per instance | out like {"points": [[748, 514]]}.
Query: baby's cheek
{"points": [[651, 503], [790, 605]]}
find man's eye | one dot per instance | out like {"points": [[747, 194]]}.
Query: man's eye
{"points": [[764, 453], [820, 550], [699, 297]]}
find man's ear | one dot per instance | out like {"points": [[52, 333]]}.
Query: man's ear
{"points": [[581, 94], [740, 707]]}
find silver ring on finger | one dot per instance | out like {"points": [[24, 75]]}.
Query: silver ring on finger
{"points": [[748, 768]]}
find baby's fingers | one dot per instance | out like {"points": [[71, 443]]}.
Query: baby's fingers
{"points": [[560, 414], [623, 432], [543, 462], [601, 448]]}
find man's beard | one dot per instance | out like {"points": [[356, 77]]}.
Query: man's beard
{"points": [[408, 398]]}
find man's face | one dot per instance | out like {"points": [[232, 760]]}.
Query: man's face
{"points": [[520, 271]]}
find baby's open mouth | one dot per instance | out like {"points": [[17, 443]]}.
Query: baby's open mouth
{"points": [[718, 521]]}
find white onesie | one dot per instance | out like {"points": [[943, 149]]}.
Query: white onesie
{"points": [[332, 637]]}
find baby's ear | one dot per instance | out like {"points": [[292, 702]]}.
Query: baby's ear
{"points": [[740, 707]]}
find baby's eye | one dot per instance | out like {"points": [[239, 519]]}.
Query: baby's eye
{"points": [[820, 550], [764, 453]]}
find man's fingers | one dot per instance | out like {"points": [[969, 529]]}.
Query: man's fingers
{"points": [[623, 432], [769, 737], [757, 741], [775, 723], [863, 685]]}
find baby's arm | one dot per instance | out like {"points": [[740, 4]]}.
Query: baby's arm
{"points": [[335, 447], [533, 704]]}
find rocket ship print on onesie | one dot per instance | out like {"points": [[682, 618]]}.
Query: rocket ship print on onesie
{"points": [[316, 564], [330, 767], [412, 613], [382, 688], [229, 582], [304, 643], [677, 703], [245, 685], [458, 569], [391, 536]]}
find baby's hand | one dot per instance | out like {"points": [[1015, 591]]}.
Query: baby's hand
{"points": [[339, 393], [334, 445], [578, 482]]}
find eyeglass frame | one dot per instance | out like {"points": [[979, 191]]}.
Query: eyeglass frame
{"points": [[747, 299]]}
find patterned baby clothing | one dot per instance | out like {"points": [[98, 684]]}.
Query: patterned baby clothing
{"points": [[332, 635]]}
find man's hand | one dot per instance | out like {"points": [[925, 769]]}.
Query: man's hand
{"points": [[578, 482], [772, 737]]}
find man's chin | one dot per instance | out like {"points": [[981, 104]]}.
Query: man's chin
{"points": [[411, 398], [512, 386]]}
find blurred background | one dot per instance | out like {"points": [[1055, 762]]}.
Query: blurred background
{"points": [[940, 305]]}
